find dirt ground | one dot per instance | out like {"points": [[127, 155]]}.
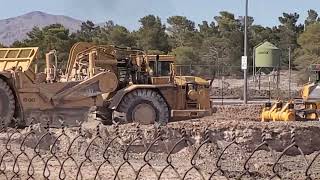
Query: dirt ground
{"points": [[66, 155]]}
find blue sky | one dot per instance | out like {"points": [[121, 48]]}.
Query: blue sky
{"points": [[128, 12]]}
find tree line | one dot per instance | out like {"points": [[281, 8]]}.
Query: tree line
{"points": [[219, 42]]}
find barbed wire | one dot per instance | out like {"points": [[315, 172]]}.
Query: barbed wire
{"points": [[43, 152]]}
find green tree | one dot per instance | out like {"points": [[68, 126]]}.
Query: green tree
{"points": [[289, 21], [120, 36], [288, 33], [215, 51], [312, 17], [309, 51], [88, 32], [231, 30], [152, 35], [186, 58], [102, 34], [227, 22], [51, 37], [259, 34], [18, 44], [115, 35], [207, 30], [182, 32], [1, 45], [186, 55]]}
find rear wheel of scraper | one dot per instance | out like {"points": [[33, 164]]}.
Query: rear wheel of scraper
{"points": [[7, 103], [145, 106]]}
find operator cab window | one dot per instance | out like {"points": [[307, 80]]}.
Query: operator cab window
{"points": [[163, 67]]}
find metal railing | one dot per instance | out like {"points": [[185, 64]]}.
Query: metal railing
{"points": [[38, 152]]}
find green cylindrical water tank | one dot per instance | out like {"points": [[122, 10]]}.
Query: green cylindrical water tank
{"points": [[267, 55]]}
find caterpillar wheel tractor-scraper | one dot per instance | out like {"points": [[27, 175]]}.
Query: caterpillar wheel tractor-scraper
{"points": [[102, 82], [286, 111]]}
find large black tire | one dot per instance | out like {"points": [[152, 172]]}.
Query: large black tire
{"points": [[145, 106], [7, 103]]}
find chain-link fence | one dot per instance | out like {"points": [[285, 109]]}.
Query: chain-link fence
{"points": [[97, 152], [228, 81]]}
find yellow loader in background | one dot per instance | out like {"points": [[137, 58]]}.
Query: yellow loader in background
{"points": [[285, 111]]}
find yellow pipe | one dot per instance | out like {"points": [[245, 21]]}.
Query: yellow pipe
{"points": [[287, 113], [266, 114]]}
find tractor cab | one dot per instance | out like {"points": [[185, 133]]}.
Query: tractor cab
{"points": [[315, 69], [311, 91], [160, 64]]}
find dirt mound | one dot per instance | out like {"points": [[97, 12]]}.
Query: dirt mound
{"points": [[239, 112]]}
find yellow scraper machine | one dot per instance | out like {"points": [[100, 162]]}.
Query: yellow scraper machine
{"points": [[285, 111], [100, 82]]}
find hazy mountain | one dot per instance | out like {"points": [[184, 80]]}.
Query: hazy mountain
{"points": [[15, 28]]}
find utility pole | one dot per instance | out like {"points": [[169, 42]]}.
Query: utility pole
{"points": [[289, 72], [245, 53]]}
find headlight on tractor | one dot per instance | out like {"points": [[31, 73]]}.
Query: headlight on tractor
{"points": [[193, 95]]}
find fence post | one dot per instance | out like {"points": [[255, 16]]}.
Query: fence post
{"points": [[269, 81], [222, 82]]}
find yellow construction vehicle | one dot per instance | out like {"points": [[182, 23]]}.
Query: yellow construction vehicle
{"points": [[29, 95], [111, 83], [285, 111]]}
